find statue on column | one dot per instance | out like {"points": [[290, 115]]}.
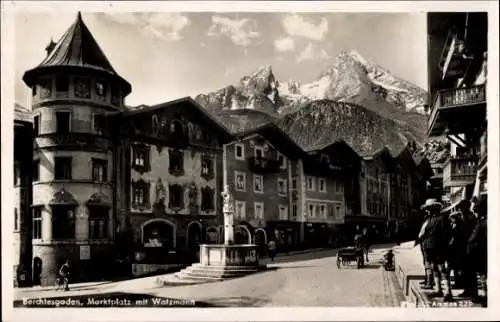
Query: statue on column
{"points": [[228, 202]]}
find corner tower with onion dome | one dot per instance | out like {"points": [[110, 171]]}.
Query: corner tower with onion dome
{"points": [[73, 164]]}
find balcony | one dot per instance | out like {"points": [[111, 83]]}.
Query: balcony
{"points": [[456, 109], [459, 171], [263, 165]]}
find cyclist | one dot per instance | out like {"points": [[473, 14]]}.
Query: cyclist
{"points": [[64, 273]]}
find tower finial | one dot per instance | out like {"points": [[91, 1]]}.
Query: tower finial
{"points": [[79, 16]]}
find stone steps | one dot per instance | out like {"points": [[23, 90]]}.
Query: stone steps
{"points": [[204, 272]]}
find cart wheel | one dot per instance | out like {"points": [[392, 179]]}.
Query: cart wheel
{"points": [[338, 262]]}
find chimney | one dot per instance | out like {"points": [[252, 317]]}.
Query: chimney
{"points": [[50, 47]]}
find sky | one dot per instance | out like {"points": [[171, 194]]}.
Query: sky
{"points": [[169, 55]]}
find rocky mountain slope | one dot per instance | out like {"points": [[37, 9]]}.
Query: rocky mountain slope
{"points": [[372, 98]]}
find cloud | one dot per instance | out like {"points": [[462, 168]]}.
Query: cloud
{"points": [[166, 26], [312, 52], [284, 44], [240, 31], [296, 25]]}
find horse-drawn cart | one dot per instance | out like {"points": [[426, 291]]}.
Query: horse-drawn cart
{"points": [[350, 254]]}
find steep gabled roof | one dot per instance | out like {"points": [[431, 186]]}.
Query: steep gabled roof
{"points": [[76, 48], [277, 137], [188, 101]]}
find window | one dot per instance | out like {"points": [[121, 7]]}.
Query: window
{"points": [[176, 197], [37, 223], [258, 210], [98, 124], [337, 210], [259, 152], [322, 185], [63, 120], [322, 210], [240, 181], [258, 183], [36, 125], [282, 161], [99, 170], [63, 222], [35, 171], [311, 210], [62, 167], [310, 183], [331, 211], [62, 84], [283, 212], [140, 157], [116, 96], [16, 220], [82, 88], [98, 222], [140, 194], [177, 130], [101, 90], [239, 152], [294, 183], [240, 209], [176, 162], [294, 209], [282, 187], [45, 88], [207, 199], [207, 167], [338, 186]]}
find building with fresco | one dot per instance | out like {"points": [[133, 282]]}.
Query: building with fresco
{"points": [[105, 184]]}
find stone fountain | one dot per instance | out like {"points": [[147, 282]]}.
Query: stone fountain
{"points": [[228, 260]]}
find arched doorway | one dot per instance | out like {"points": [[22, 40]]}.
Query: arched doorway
{"points": [[193, 235], [260, 236], [158, 233], [242, 235]]}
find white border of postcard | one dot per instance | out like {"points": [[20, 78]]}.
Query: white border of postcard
{"points": [[246, 314]]}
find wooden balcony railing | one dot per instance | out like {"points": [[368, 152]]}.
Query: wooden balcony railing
{"points": [[263, 165], [457, 97], [460, 171]]}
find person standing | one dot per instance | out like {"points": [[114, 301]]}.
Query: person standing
{"points": [[428, 272], [435, 241], [476, 251], [272, 249]]}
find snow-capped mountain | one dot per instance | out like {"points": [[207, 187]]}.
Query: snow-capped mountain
{"points": [[350, 78], [363, 85]]}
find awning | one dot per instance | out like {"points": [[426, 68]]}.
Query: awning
{"points": [[63, 198]]}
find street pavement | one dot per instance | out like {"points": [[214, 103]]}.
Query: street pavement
{"points": [[310, 279]]}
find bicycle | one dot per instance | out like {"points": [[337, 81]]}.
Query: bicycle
{"points": [[62, 284]]}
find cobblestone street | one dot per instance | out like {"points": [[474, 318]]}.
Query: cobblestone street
{"points": [[298, 280]]}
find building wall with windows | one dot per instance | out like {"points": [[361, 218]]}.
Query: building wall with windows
{"points": [[261, 190], [324, 200]]}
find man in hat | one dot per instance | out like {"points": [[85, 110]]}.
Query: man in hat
{"points": [[429, 276], [476, 251], [435, 240]]}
